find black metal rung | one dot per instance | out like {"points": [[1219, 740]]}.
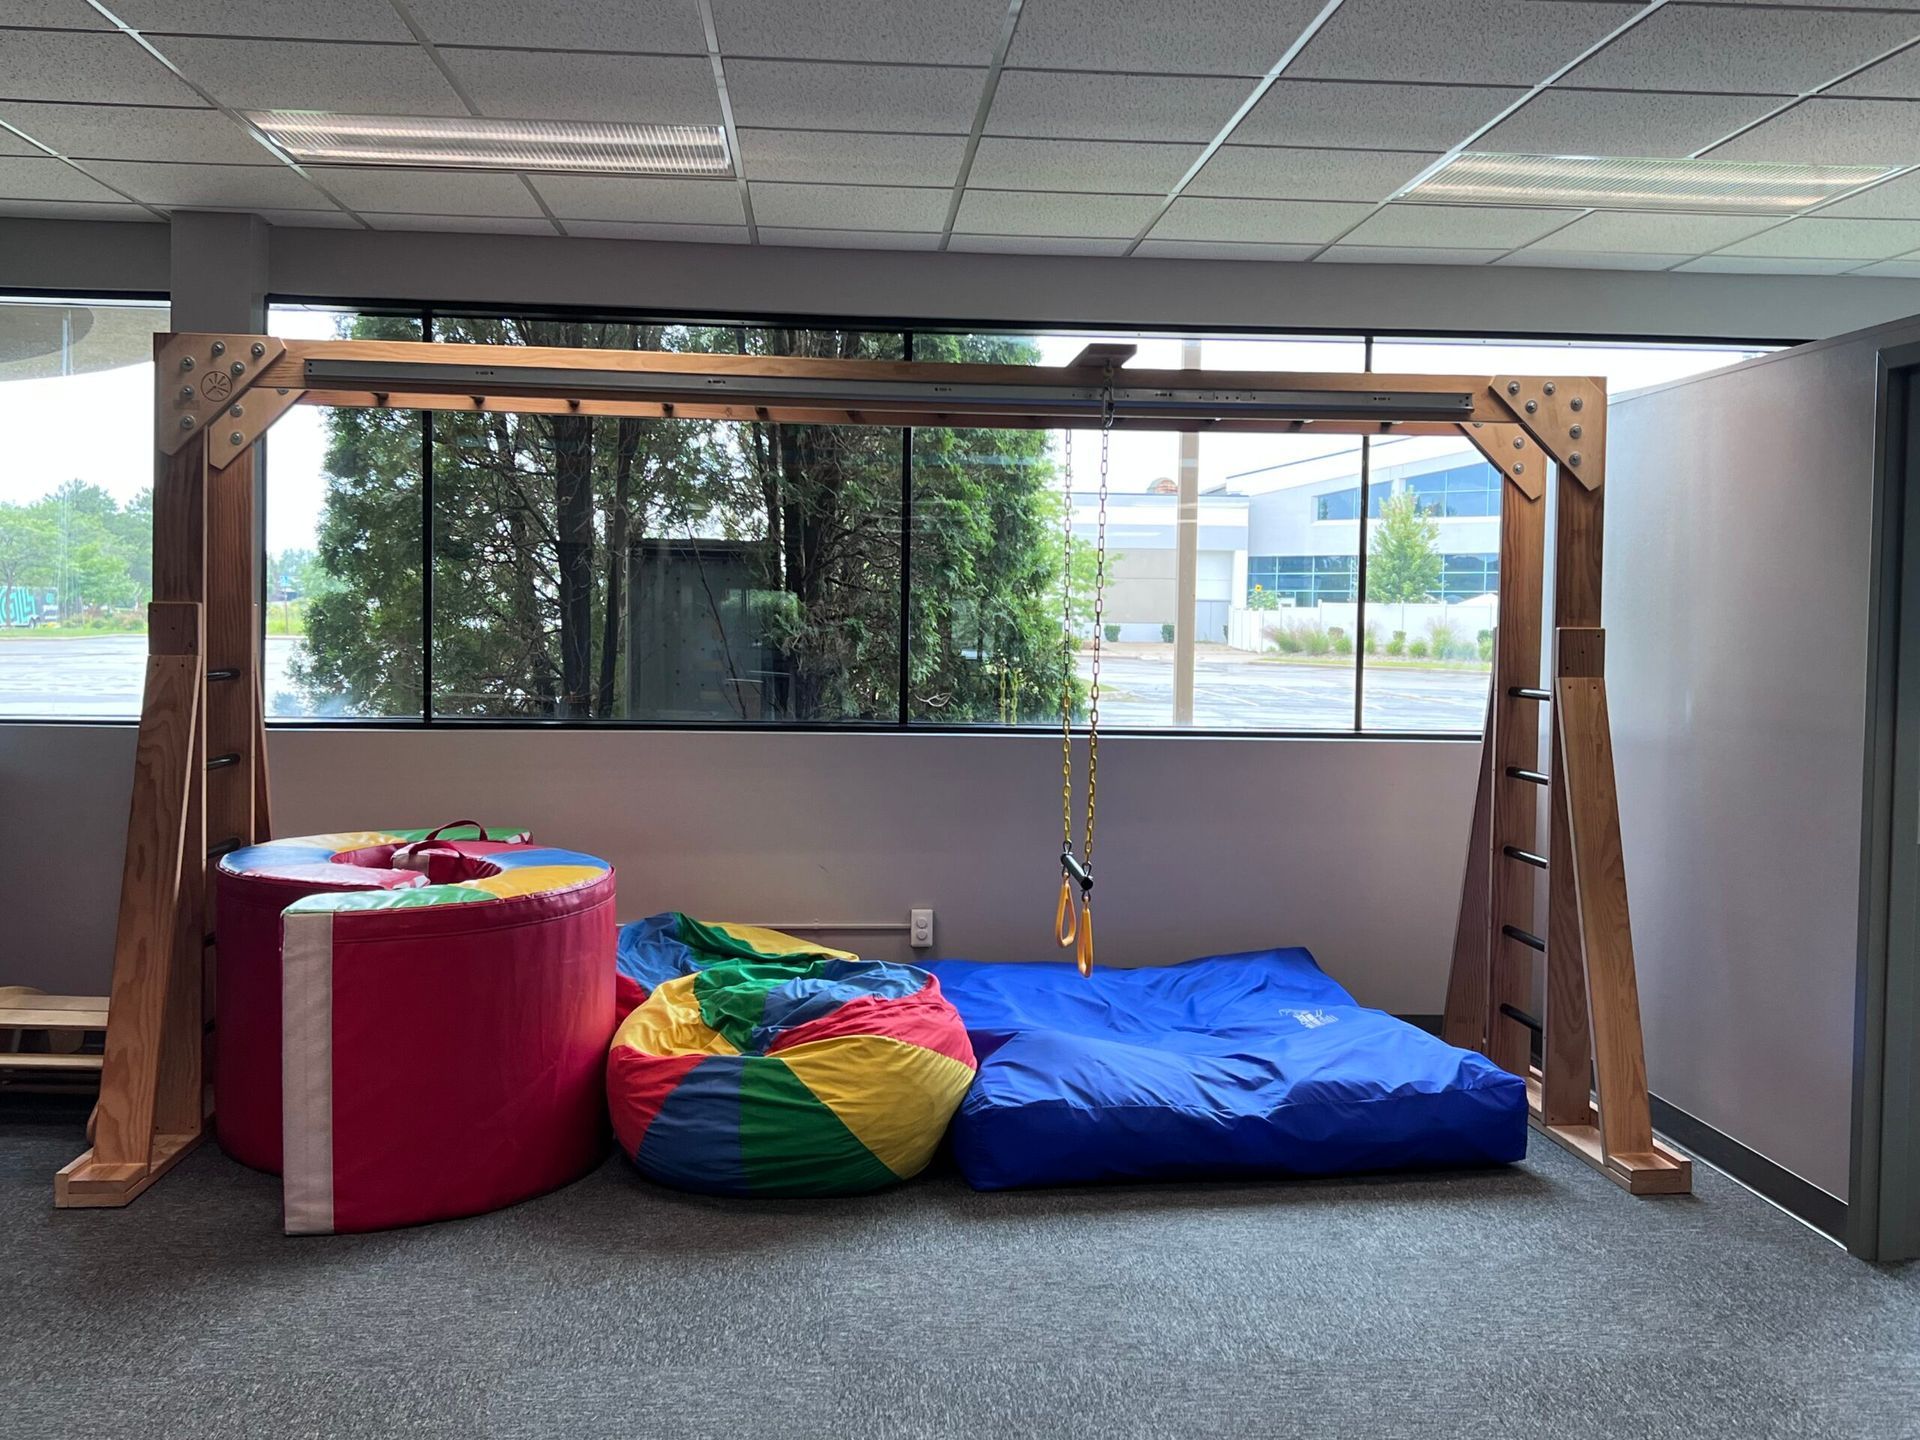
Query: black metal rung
{"points": [[1532, 777], [220, 762], [207, 941], [1525, 857], [1525, 937], [225, 847], [223, 675], [1514, 1012], [1527, 692]]}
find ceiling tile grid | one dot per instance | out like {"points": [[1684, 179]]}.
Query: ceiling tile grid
{"points": [[1062, 127]]}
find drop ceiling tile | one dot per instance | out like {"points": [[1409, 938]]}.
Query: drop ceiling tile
{"points": [[1058, 105], [847, 239], [1892, 270], [1093, 166], [1150, 37], [1464, 226], [1818, 239], [1896, 78], [10, 143], [1037, 245], [679, 234], [611, 197], [287, 19], [953, 32], [1738, 50], [1407, 255], [53, 14], [1474, 42], [228, 187], [315, 75], [1223, 250], [1909, 5], [1767, 265], [849, 207], [1897, 199], [1264, 172], [1834, 132], [72, 210], [1032, 212], [1650, 233], [1537, 258], [101, 66], [44, 178], [1370, 117], [653, 27], [1617, 122], [847, 157], [136, 132], [464, 224], [563, 85], [428, 192], [927, 100], [1281, 222]]}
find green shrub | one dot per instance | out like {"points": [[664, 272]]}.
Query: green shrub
{"points": [[1398, 644], [1445, 641], [1373, 640], [1342, 642], [1486, 645], [1314, 640], [1284, 640], [1166, 634], [1417, 649], [1261, 598], [1113, 633]]}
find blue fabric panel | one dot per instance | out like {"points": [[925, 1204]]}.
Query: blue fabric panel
{"points": [[520, 859], [272, 855], [651, 952], [694, 1141], [1232, 1065]]}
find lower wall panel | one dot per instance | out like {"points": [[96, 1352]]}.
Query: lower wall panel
{"points": [[1353, 849]]}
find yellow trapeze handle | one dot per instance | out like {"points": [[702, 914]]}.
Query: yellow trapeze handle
{"points": [[1065, 923], [1084, 957]]}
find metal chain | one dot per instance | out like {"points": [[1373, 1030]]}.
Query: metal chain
{"points": [[1099, 610], [1068, 649]]}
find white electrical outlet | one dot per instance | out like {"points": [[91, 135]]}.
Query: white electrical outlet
{"points": [[920, 930]]}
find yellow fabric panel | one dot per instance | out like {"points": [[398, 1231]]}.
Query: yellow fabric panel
{"points": [[896, 1098], [670, 1024], [776, 942], [354, 839], [535, 879]]}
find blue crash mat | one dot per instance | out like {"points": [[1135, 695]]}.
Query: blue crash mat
{"points": [[1232, 1065]]}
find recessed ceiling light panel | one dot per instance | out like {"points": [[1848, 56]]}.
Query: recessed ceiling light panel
{"points": [[447, 143], [1601, 182]]}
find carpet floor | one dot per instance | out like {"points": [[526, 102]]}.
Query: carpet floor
{"points": [[1535, 1301]]}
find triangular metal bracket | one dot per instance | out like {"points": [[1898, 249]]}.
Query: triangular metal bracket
{"points": [[1567, 416], [1513, 452], [199, 377]]}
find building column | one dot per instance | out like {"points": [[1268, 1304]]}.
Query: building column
{"points": [[1186, 558]]}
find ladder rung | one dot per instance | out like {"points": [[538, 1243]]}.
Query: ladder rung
{"points": [[43, 1012], [1514, 1012], [10, 1061], [223, 674], [1525, 937], [1525, 857], [225, 847], [1532, 777], [1527, 692], [221, 762]]}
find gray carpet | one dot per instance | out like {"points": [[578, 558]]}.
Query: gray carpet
{"points": [[1536, 1301]]}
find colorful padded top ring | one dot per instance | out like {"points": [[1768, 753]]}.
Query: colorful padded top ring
{"points": [[406, 869]]}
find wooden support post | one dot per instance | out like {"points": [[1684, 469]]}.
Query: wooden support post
{"points": [[1469, 981]]}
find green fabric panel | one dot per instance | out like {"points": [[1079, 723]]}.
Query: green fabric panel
{"points": [[716, 944], [494, 832], [791, 1144], [407, 899], [733, 995]]}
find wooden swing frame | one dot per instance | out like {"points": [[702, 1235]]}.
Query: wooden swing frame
{"points": [[201, 770]]}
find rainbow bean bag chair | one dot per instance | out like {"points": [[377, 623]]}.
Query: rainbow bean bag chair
{"points": [[412, 1027], [756, 1064]]}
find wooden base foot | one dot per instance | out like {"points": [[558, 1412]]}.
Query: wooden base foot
{"points": [[1655, 1172], [87, 1183]]}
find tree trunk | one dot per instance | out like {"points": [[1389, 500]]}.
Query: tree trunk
{"points": [[573, 531], [619, 523]]}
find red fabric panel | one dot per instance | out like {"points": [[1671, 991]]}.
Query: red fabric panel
{"points": [[469, 1053], [637, 1086], [628, 996], [923, 1018]]}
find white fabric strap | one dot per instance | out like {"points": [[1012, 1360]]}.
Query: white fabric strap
{"points": [[306, 1072]]}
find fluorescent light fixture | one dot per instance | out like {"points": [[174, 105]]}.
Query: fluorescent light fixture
{"points": [[463, 143], [1600, 182]]}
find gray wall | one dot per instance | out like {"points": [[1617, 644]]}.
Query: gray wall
{"points": [[1739, 523]]}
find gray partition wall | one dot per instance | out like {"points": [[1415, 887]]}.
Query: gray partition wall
{"points": [[1743, 587]]}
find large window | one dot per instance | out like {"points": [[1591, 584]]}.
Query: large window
{"points": [[477, 567], [76, 505]]}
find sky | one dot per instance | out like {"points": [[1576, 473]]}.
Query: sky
{"points": [[78, 426]]}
